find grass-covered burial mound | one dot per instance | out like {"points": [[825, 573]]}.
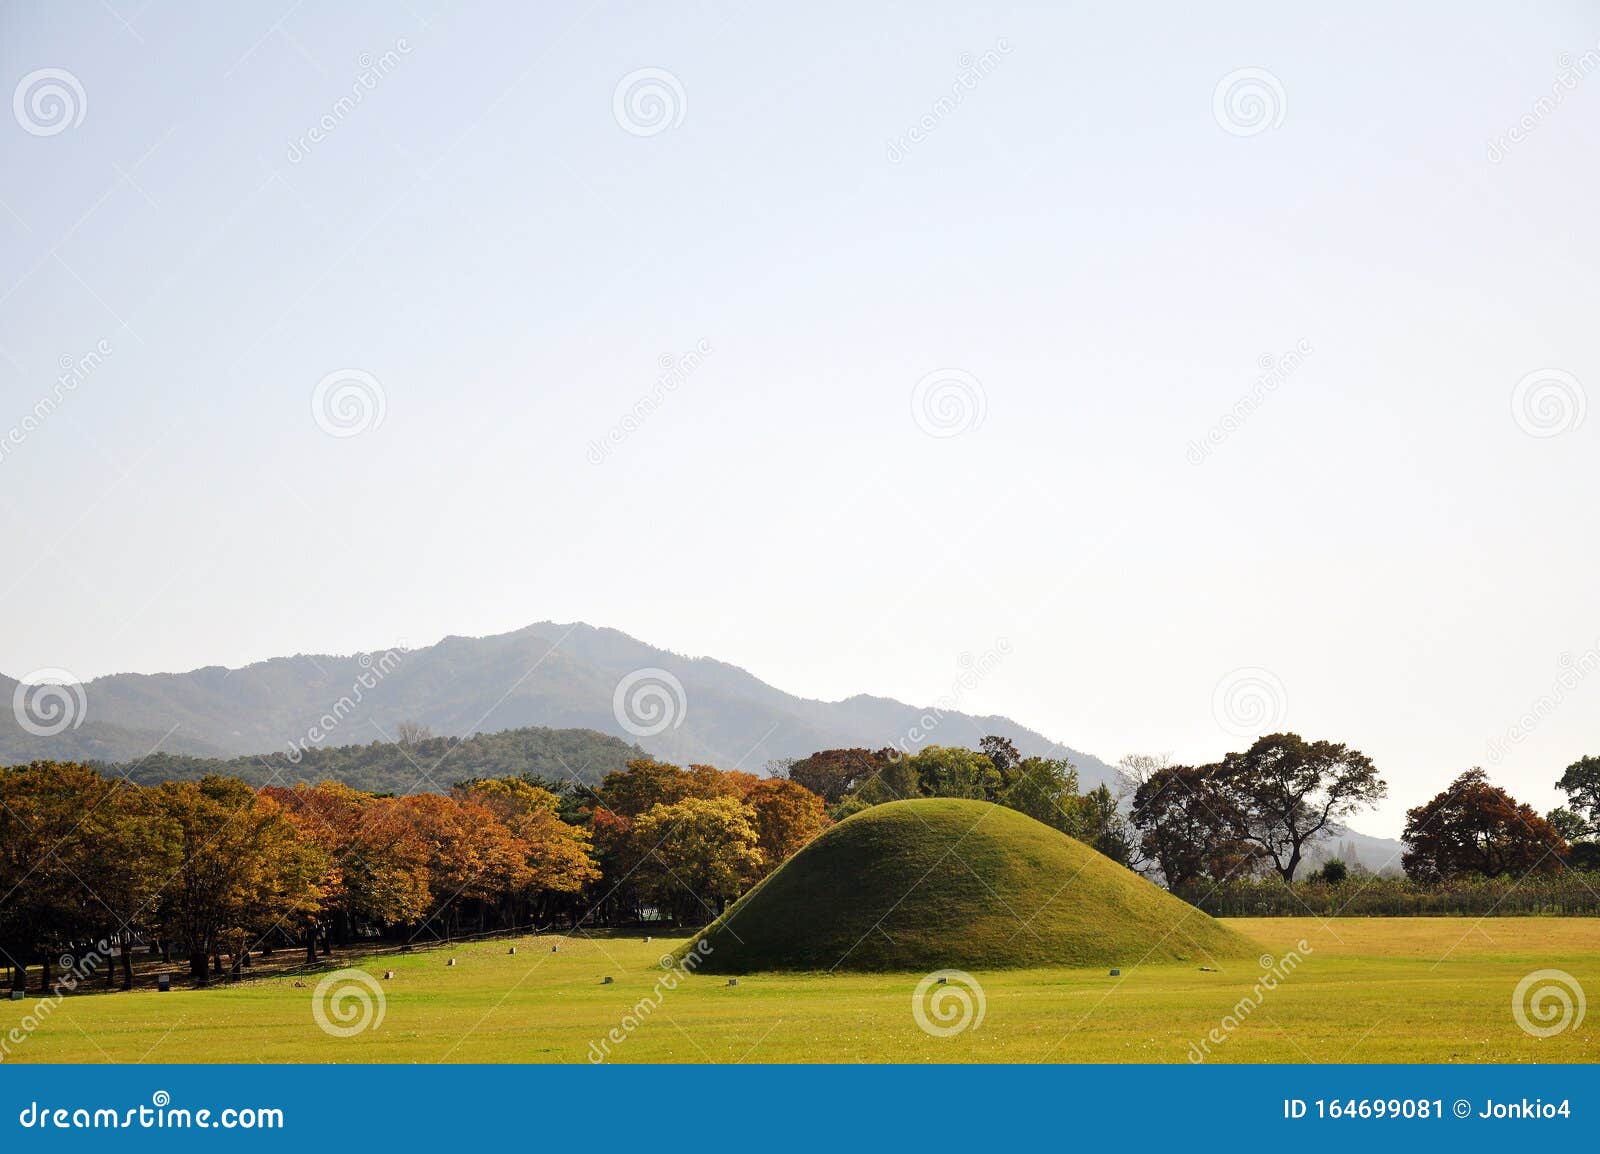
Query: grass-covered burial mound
{"points": [[943, 883]]}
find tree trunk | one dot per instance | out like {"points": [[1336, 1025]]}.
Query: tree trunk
{"points": [[127, 963], [198, 969]]}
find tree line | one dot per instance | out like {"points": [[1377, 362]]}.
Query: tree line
{"points": [[215, 870], [1257, 812]]}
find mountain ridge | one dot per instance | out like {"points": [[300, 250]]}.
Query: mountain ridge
{"points": [[555, 675]]}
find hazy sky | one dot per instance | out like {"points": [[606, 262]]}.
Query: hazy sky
{"points": [[969, 296]]}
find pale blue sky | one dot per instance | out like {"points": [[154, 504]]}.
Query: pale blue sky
{"points": [[1079, 233]]}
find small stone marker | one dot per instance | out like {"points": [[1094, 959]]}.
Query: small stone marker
{"points": [[1116, 973], [1207, 970], [164, 982], [388, 975], [607, 980], [647, 939], [733, 981], [555, 949], [942, 981], [512, 950], [18, 995], [451, 962]]}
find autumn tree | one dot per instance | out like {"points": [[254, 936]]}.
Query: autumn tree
{"points": [[244, 871], [1292, 792], [556, 856], [704, 852], [787, 816], [376, 863], [67, 842], [831, 774], [1189, 825], [644, 784], [472, 856], [1475, 827]]}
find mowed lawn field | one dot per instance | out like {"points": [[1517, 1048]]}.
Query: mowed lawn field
{"points": [[1367, 990]]}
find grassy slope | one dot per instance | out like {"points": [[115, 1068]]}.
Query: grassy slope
{"points": [[1369, 990], [931, 884]]}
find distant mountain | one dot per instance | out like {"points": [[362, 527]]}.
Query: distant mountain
{"points": [[551, 675], [557, 676]]}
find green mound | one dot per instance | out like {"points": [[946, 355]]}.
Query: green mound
{"points": [[942, 883]]}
